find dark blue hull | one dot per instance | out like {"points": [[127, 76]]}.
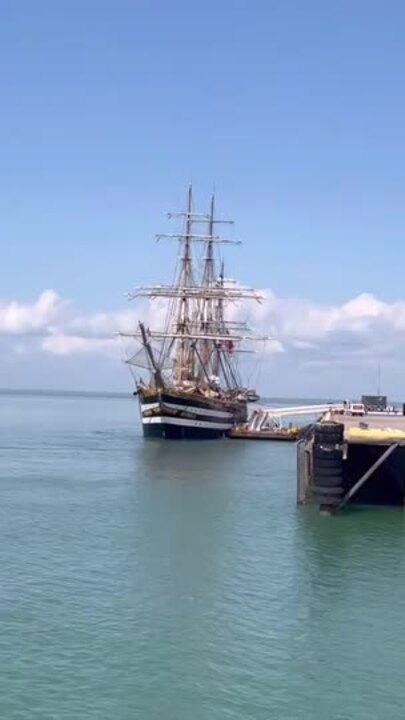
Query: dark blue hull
{"points": [[170, 432], [185, 416]]}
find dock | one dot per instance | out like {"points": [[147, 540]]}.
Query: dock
{"points": [[280, 423], [240, 432], [352, 460]]}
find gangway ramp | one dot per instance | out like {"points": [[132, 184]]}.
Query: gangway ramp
{"points": [[269, 423], [271, 417]]}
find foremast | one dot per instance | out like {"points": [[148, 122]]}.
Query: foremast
{"points": [[183, 357]]}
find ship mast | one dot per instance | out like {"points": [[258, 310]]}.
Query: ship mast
{"points": [[197, 342], [208, 302], [215, 354], [219, 317], [183, 357]]}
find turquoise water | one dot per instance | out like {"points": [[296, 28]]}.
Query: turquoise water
{"points": [[173, 581]]}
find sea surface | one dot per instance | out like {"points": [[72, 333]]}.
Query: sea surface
{"points": [[179, 581]]}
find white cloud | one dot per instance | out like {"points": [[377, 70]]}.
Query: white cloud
{"points": [[25, 319], [61, 344], [103, 325], [315, 334], [362, 324]]}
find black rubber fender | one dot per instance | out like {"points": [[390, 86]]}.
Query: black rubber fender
{"points": [[336, 492], [321, 481], [328, 442], [327, 471], [320, 465], [327, 453], [330, 428]]}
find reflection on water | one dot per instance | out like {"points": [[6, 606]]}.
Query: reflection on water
{"points": [[168, 580]]}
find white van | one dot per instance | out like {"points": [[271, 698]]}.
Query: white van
{"points": [[357, 409]]}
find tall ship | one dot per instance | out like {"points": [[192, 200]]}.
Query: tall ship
{"points": [[193, 388]]}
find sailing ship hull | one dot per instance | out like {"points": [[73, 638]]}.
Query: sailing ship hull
{"points": [[179, 416]]}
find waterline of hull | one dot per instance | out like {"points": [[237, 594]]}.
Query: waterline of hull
{"points": [[205, 424], [182, 432]]}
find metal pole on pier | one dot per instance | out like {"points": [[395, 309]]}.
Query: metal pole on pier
{"points": [[367, 475]]}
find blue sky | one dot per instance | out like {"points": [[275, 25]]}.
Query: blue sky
{"points": [[294, 110]]}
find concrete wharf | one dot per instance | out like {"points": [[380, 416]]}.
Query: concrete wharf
{"points": [[344, 459]]}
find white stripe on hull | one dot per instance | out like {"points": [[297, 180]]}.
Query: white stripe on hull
{"points": [[188, 408], [165, 420]]}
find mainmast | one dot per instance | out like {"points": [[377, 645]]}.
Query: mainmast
{"points": [[215, 354]]}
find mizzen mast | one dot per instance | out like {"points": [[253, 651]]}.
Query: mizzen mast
{"points": [[208, 301]]}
